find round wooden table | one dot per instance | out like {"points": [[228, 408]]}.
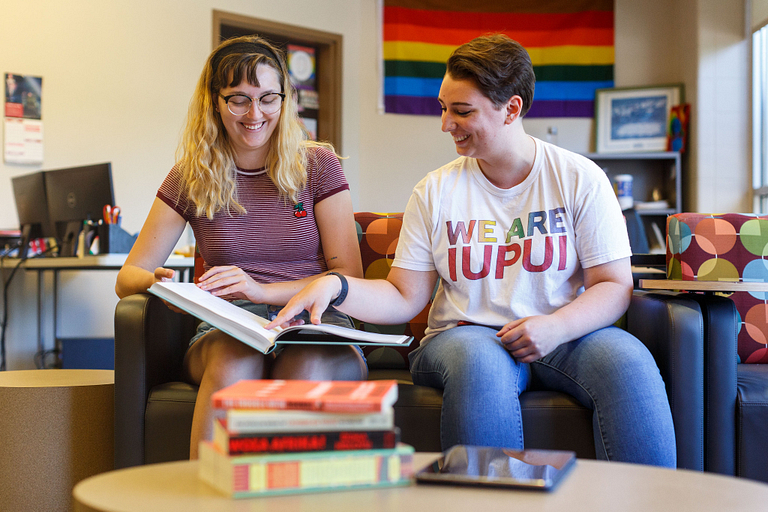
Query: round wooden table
{"points": [[57, 428], [592, 486]]}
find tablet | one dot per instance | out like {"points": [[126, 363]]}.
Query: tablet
{"points": [[499, 467]]}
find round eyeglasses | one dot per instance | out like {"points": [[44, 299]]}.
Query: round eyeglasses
{"points": [[240, 104]]}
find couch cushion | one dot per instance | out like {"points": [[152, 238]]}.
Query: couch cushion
{"points": [[168, 422], [556, 421], [726, 247], [751, 421]]}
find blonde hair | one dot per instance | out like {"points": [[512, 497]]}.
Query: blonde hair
{"points": [[205, 154]]}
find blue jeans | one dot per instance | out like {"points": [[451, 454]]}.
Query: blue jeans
{"points": [[609, 371]]}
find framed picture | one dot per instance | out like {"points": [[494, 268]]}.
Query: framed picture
{"points": [[634, 119]]}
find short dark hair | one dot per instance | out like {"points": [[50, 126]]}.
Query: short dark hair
{"points": [[500, 67]]}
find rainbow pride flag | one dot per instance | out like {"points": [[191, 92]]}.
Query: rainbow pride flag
{"points": [[570, 43]]}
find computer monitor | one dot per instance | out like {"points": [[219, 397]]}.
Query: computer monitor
{"points": [[75, 195], [32, 208]]}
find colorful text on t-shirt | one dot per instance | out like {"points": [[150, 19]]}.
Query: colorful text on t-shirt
{"points": [[545, 226]]}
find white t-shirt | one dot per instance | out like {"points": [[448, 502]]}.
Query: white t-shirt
{"points": [[504, 254]]}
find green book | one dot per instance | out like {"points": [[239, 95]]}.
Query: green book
{"points": [[244, 476]]}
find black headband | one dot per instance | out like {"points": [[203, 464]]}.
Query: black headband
{"points": [[243, 47]]}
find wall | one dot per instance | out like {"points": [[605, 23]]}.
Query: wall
{"points": [[654, 42], [759, 13], [722, 116], [117, 77], [397, 150]]}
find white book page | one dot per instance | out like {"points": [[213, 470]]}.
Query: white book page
{"points": [[234, 320], [352, 334], [248, 327]]}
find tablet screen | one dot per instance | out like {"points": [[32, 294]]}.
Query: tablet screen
{"points": [[477, 465]]}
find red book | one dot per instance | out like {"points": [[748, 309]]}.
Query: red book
{"points": [[330, 396], [240, 444]]}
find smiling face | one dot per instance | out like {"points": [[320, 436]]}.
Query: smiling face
{"points": [[250, 133], [471, 118]]}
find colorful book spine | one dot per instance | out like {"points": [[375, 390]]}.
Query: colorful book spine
{"points": [[327, 396], [240, 444], [245, 476], [247, 421]]}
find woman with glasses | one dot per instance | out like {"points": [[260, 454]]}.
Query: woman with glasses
{"points": [[271, 211]]}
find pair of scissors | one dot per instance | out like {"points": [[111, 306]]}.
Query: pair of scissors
{"points": [[111, 214]]}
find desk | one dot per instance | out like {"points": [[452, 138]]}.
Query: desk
{"points": [[703, 286], [101, 262], [592, 486], [642, 272]]}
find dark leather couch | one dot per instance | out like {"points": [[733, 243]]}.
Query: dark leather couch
{"points": [[736, 396], [153, 407]]}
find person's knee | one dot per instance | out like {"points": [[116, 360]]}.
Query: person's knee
{"points": [[634, 357], [320, 362], [467, 345], [610, 345], [622, 357], [473, 356], [227, 360]]}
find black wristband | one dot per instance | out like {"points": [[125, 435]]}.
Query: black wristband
{"points": [[344, 289]]}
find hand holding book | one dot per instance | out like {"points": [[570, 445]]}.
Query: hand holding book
{"points": [[252, 329], [229, 283], [165, 275]]}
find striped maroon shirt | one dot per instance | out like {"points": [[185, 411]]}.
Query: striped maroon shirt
{"points": [[274, 241]]}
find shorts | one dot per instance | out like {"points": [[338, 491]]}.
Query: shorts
{"points": [[331, 316]]}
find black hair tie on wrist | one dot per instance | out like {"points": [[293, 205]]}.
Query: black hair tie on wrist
{"points": [[344, 289]]}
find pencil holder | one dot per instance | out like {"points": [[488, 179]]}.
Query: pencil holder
{"points": [[114, 239]]}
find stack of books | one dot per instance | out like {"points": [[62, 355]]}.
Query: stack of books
{"points": [[288, 436]]}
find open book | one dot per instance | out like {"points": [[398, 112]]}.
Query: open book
{"points": [[249, 328]]}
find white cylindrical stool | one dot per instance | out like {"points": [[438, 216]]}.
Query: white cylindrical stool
{"points": [[57, 428]]}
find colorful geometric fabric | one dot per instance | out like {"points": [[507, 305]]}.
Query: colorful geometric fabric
{"points": [[726, 247], [571, 44], [378, 234]]}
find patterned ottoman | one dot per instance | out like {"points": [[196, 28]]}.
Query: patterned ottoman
{"points": [[726, 247]]}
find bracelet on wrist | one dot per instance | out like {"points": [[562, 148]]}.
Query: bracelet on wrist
{"points": [[344, 289]]}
